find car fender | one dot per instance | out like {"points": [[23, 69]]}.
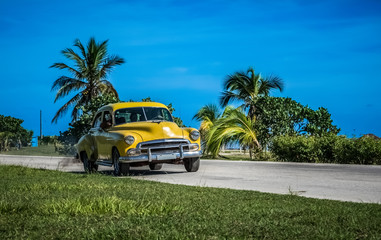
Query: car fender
{"points": [[86, 144], [120, 144]]}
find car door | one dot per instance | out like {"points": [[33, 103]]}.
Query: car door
{"points": [[103, 139], [94, 133]]}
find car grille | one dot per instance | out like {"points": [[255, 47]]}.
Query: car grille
{"points": [[164, 146]]}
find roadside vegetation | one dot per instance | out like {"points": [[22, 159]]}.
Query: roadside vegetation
{"points": [[327, 149], [276, 128], [12, 134], [41, 204]]}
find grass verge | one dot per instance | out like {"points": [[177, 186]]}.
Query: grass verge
{"points": [[41, 204]]}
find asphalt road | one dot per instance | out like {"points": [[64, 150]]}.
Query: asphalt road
{"points": [[356, 183]]}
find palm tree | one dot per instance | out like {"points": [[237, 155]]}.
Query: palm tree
{"points": [[234, 125], [248, 87], [92, 66], [207, 115]]}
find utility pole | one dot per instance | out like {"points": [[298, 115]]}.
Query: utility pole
{"points": [[40, 125]]}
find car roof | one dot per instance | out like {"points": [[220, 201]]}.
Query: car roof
{"points": [[116, 106]]}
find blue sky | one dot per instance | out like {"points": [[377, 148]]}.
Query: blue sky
{"points": [[179, 52]]}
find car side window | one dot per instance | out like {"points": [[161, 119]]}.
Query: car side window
{"points": [[167, 115], [107, 120], [97, 120]]}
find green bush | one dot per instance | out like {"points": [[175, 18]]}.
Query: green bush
{"points": [[295, 149], [47, 140], [327, 149], [363, 150], [260, 155]]}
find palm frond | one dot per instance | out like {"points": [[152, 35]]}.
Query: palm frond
{"points": [[209, 111], [69, 87], [228, 97], [109, 64], [275, 82], [208, 116], [78, 44], [233, 126], [264, 88], [72, 55], [75, 72], [62, 81], [65, 107]]}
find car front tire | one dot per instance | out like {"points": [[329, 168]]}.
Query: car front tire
{"points": [[119, 168], [192, 164]]}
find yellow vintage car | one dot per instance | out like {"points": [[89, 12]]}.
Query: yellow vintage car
{"points": [[136, 134]]}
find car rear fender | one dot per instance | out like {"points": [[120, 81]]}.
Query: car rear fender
{"points": [[86, 144]]}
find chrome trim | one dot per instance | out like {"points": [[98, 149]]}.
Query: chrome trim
{"points": [[149, 155], [160, 157], [144, 112], [168, 140], [104, 163], [178, 154], [182, 151]]}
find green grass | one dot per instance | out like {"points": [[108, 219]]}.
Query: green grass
{"points": [[44, 150], [41, 204]]}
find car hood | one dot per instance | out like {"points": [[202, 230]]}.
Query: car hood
{"points": [[151, 130]]}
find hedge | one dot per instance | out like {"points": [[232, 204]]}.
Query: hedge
{"points": [[327, 149]]}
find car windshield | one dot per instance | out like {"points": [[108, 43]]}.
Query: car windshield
{"points": [[139, 114]]}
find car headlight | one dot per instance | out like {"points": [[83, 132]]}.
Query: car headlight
{"points": [[129, 139], [194, 135]]}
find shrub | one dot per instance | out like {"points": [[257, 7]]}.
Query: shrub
{"points": [[295, 149], [47, 140], [327, 149]]}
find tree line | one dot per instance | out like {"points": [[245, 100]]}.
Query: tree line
{"points": [[12, 134]]}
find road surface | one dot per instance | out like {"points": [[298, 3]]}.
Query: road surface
{"points": [[356, 183]]}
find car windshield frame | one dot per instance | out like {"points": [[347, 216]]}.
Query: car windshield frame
{"points": [[144, 114]]}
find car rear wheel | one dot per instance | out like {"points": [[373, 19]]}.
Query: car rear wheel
{"points": [[155, 166], [119, 168], [88, 166], [192, 164]]}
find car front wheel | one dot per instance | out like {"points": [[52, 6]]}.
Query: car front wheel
{"points": [[119, 168], [192, 164]]}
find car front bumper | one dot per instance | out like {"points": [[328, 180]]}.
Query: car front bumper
{"points": [[157, 157]]}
